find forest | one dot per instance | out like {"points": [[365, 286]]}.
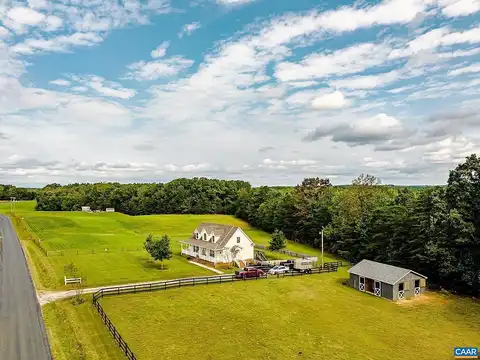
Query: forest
{"points": [[9, 191], [434, 230]]}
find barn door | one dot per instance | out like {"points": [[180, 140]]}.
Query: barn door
{"points": [[377, 288], [361, 285]]}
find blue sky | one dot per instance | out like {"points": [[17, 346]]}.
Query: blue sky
{"points": [[261, 90]]}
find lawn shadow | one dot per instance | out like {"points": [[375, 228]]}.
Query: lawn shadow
{"points": [[150, 264]]}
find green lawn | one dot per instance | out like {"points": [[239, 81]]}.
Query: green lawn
{"points": [[77, 333], [310, 317], [83, 238]]}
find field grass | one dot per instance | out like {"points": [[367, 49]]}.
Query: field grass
{"points": [[77, 333], [310, 317], [83, 238]]}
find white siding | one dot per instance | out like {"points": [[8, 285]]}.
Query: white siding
{"points": [[247, 251]]}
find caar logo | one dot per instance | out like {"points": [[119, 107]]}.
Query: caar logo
{"points": [[465, 353]]}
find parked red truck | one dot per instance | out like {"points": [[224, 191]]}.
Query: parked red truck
{"points": [[249, 272]]}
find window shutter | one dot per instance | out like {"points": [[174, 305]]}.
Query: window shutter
{"points": [[422, 283]]}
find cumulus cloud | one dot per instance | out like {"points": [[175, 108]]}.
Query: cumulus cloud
{"points": [[331, 101], [369, 131], [25, 16], [455, 8]]}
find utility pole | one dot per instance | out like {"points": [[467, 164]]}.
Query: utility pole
{"points": [[321, 232]]}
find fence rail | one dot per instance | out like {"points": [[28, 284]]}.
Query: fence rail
{"points": [[113, 330], [90, 251], [169, 284]]}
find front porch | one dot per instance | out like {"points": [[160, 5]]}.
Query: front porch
{"points": [[205, 254]]}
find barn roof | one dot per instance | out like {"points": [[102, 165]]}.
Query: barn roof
{"points": [[378, 271]]}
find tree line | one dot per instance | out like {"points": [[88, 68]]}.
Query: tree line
{"points": [[434, 230], [180, 196], [9, 191]]}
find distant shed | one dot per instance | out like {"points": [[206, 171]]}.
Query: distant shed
{"points": [[110, 209], [86, 208], [391, 282]]}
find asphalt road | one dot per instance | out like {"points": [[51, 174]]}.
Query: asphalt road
{"points": [[22, 332]]}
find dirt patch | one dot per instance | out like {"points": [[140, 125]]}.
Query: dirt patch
{"points": [[425, 299]]}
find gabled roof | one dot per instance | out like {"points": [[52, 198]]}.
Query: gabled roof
{"points": [[382, 272], [222, 233]]}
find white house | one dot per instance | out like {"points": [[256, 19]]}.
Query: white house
{"points": [[110, 209], [219, 243], [86, 208]]}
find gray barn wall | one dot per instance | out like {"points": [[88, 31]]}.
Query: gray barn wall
{"points": [[353, 281], [387, 291], [410, 278]]}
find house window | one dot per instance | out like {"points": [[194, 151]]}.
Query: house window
{"points": [[212, 253], [205, 236], [204, 252], [213, 238], [417, 283], [238, 239], [196, 235], [401, 286], [195, 248]]}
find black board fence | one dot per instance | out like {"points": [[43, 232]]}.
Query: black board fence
{"points": [[169, 284]]}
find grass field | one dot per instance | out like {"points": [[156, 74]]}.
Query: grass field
{"points": [[70, 232], [311, 317]]}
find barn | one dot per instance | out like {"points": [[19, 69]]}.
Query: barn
{"points": [[390, 282]]}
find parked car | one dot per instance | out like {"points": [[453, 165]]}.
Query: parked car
{"points": [[249, 272], [279, 269]]}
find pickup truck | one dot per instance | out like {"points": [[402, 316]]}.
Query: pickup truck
{"points": [[249, 272]]}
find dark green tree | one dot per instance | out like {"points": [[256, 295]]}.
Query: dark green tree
{"points": [[159, 249], [278, 240]]}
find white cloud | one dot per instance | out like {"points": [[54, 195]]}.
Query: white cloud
{"points": [[62, 43], [459, 7], [114, 90], [350, 60], [152, 70], [4, 32], [25, 16], [331, 101], [366, 81], [233, 2], [189, 29], [60, 82], [53, 23], [465, 70], [80, 88], [102, 86], [161, 50], [435, 39]]}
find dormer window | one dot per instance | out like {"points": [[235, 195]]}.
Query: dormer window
{"points": [[196, 235], [213, 238], [205, 236]]}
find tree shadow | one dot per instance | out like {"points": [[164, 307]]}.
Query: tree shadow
{"points": [[150, 264]]}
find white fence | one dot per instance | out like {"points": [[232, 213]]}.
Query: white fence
{"points": [[72, 280]]}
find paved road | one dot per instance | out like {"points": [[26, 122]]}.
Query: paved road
{"points": [[22, 332]]}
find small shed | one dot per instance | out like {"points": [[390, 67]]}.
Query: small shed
{"points": [[86, 208], [110, 209], [382, 280]]}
